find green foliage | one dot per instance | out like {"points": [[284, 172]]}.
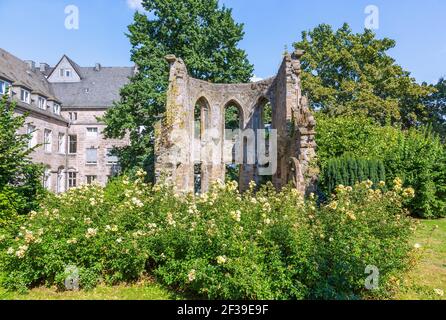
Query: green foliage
{"points": [[220, 245], [415, 155], [348, 171], [436, 104], [347, 73], [200, 32], [358, 136], [419, 158], [20, 180]]}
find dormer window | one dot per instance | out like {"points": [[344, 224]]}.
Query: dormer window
{"points": [[25, 96], [41, 103], [4, 87], [56, 109]]}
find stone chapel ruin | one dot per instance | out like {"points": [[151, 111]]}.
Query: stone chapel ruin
{"points": [[184, 150]]}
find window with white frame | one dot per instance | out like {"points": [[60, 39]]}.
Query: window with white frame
{"points": [[47, 179], [56, 108], [48, 140], [111, 159], [91, 179], [92, 132], [92, 156], [4, 87], [61, 143], [72, 179], [41, 103], [31, 130], [25, 96]]}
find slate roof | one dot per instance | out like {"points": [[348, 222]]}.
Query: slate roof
{"points": [[18, 72], [97, 89]]}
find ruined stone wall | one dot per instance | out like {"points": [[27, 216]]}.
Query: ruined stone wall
{"points": [[178, 148]]}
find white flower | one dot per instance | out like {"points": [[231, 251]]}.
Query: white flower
{"points": [[93, 202], [192, 275], [119, 240], [10, 251], [439, 292], [137, 202], [417, 246], [266, 207], [141, 173], [72, 241], [221, 259], [88, 221], [91, 233], [29, 237], [267, 221], [21, 252], [236, 215]]}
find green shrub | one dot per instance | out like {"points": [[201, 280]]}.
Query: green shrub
{"points": [[220, 245], [419, 158], [415, 155], [347, 171]]}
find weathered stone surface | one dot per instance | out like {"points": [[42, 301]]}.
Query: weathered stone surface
{"points": [[177, 153]]}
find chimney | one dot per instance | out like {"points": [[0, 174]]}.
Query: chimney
{"points": [[97, 67], [31, 64], [44, 67]]}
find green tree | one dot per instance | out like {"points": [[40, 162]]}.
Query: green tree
{"points": [[348, 73], [436, 104], [20, 179], [203, 34]]}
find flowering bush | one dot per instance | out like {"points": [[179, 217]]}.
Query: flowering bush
{"points": [[219, 245]]}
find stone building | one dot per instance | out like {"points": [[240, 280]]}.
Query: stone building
{"points": [[63, 104], [192, 139]]}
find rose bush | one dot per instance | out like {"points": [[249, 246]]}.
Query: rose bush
{"points": [[218, 245]]}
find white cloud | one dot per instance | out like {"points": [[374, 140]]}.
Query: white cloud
{"points": [[256, 79], [135, 5]]}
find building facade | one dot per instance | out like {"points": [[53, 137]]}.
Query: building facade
{"points": [[64, 105]]}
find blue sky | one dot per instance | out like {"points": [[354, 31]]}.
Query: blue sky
{"points": [[35, 29]]}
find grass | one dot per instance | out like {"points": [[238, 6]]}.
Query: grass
{"points": [[142, 291], [430, 272], [420, 284]]}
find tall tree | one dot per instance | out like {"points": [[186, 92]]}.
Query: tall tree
{"points": [[347, 73], [203, 34], [20, 179], [436, 105]]}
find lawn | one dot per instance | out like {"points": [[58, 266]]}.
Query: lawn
{"points": [[421, 283], [430, 273], [143, 291]]}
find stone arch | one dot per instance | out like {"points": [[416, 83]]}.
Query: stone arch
{"points": [[234, 102], [202, 121], [202, 111], [233, 119], [293, 137]]}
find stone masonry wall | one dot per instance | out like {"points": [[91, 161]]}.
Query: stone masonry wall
{"points": [[178, 147]]}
